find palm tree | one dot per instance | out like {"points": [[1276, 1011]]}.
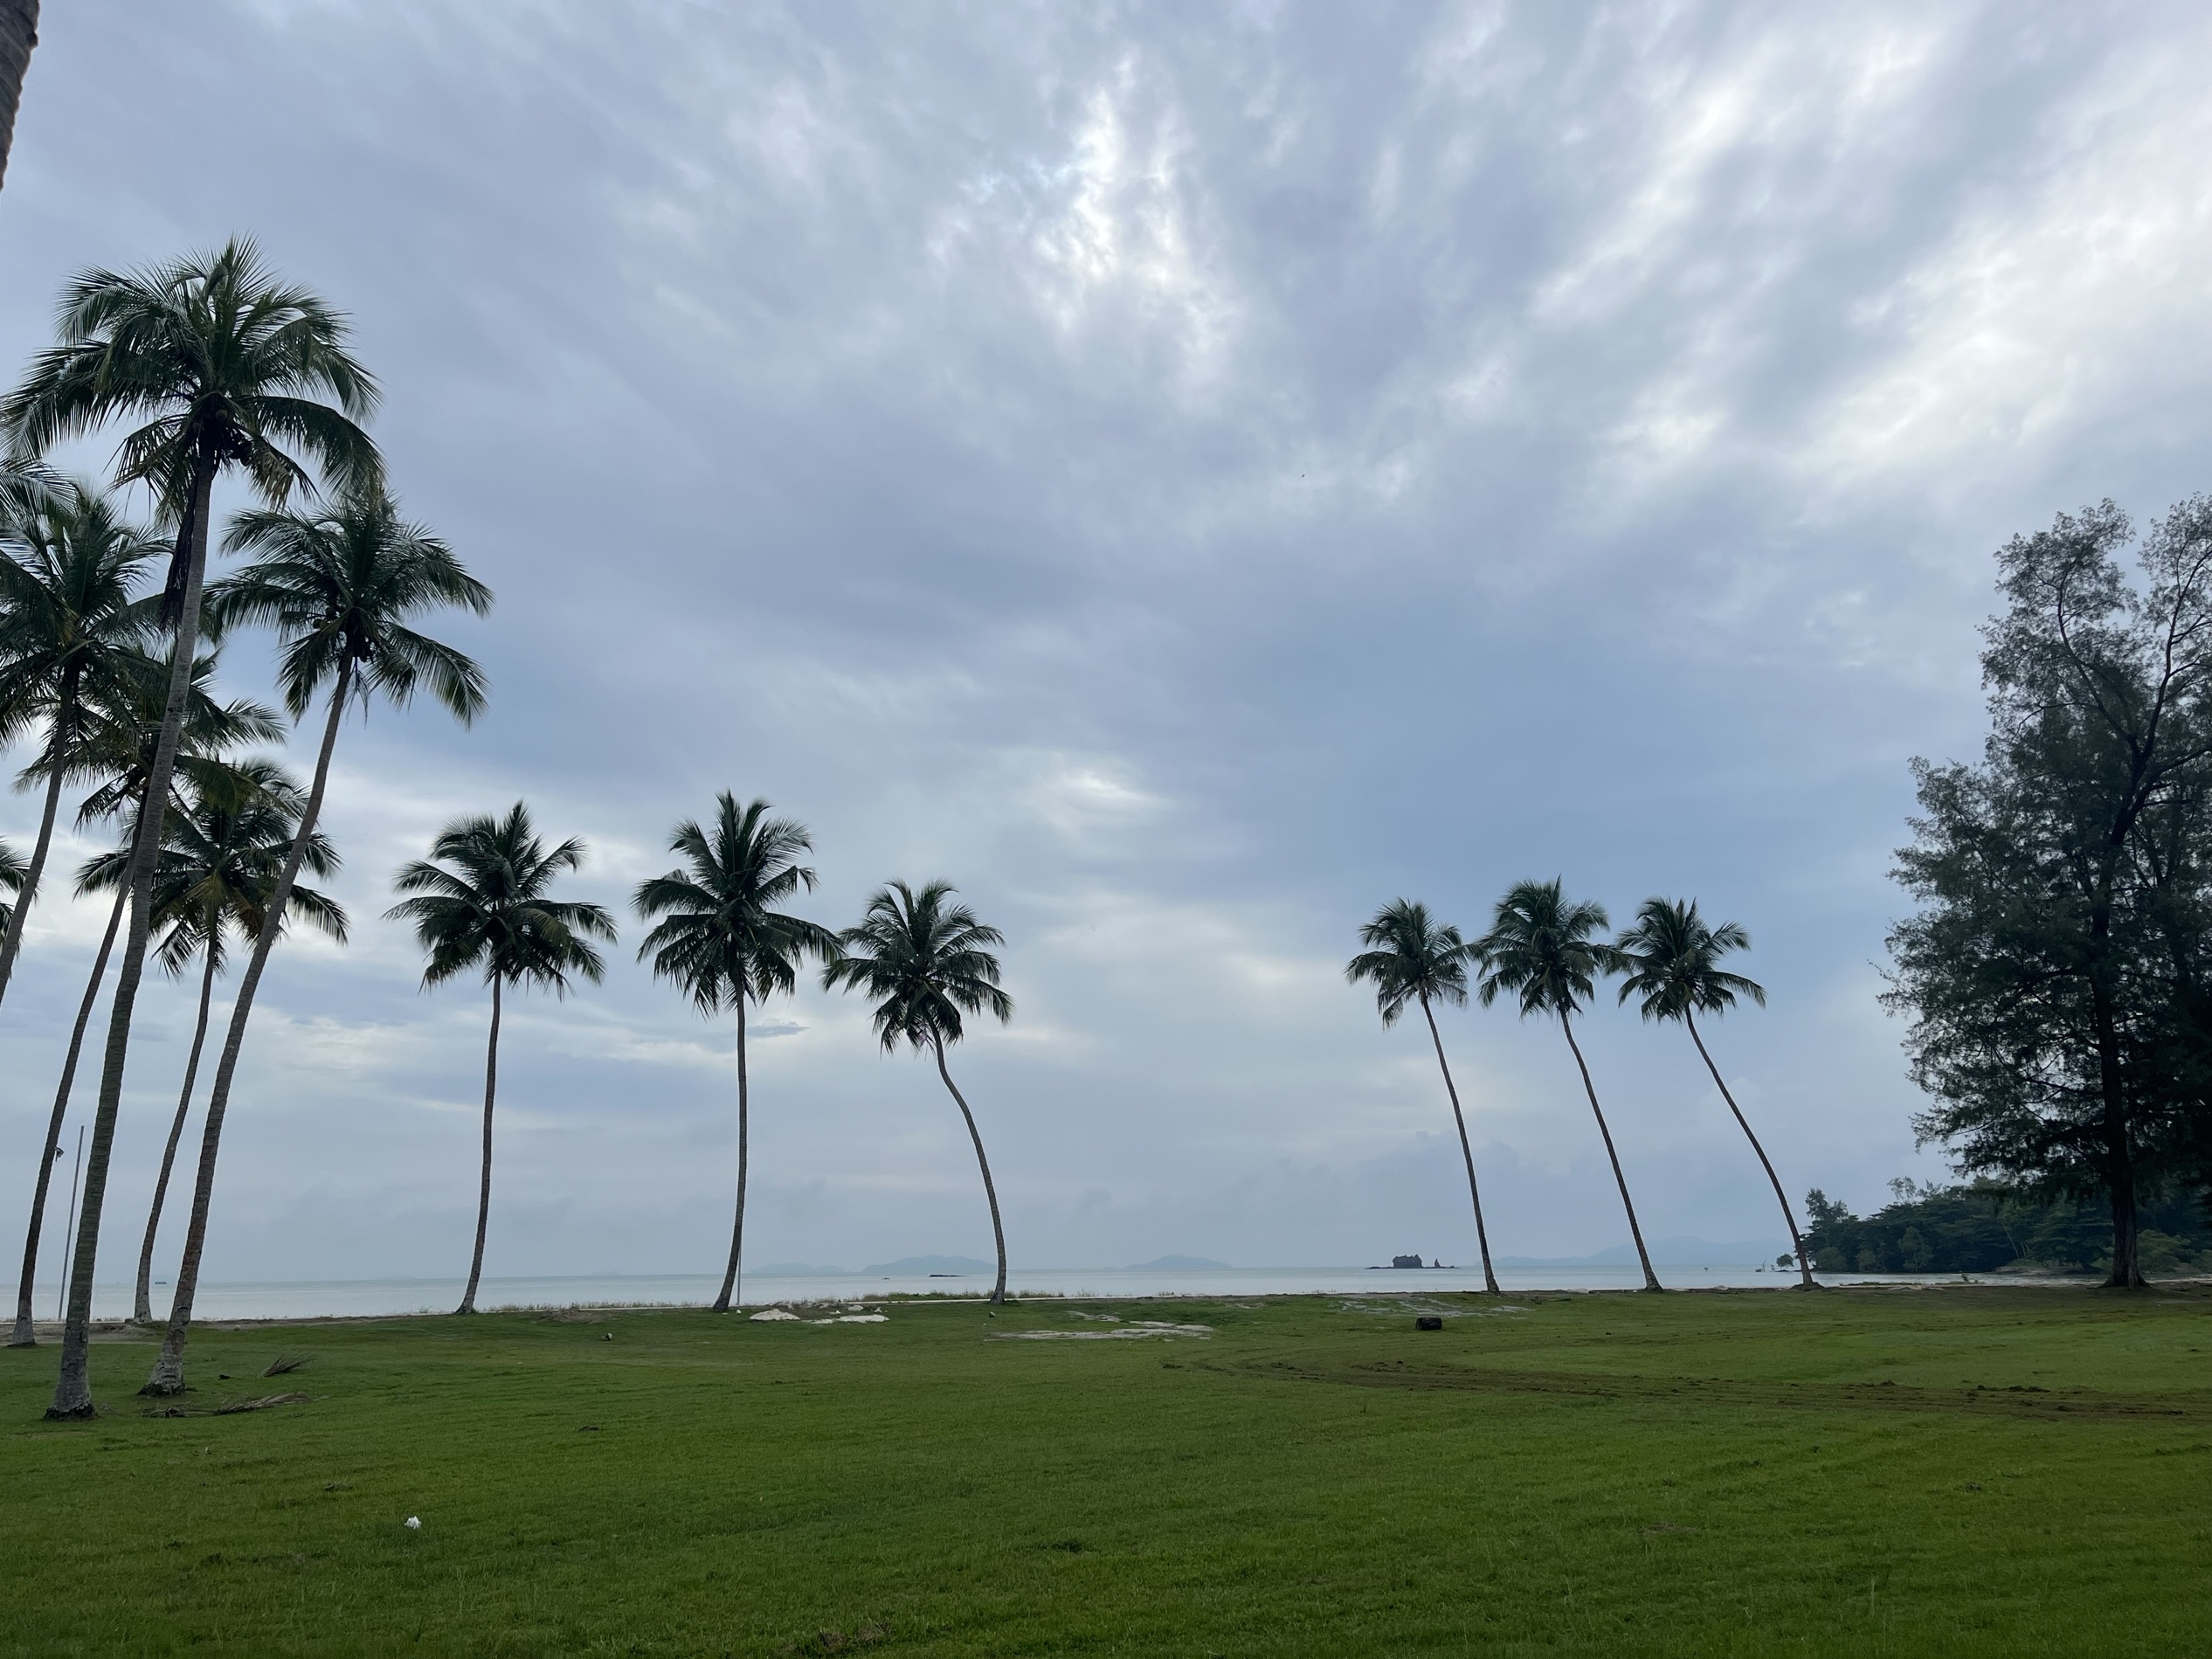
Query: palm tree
{"points": [[1672, 960], [11, 869], [228, 841], [122, 729], [68, 621], [1412, 959], [340, 587], [19, 34], [227, 368], [490, 911], [926, 963], [724, 943], [1540, 948]]}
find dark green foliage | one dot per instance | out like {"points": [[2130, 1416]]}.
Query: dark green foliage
{"points": [[1981, 1228], [2059, 973]]}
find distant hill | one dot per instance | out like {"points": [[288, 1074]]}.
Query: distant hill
{"points": [[909, 1265], [1665, 1253], [1170, 1263]]}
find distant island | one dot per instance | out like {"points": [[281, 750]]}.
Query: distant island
{"points": [[935, 1267], [1409, 1261]]}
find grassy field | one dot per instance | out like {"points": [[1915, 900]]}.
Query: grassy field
{"points": [[1978, 1471]]}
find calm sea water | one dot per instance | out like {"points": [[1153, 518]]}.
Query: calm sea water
{"points": [[299, 1299]]}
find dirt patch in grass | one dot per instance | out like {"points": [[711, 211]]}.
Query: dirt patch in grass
{"points": [[2015, 1401]]}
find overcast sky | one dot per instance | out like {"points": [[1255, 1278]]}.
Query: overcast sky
{"points": [[1187, 475]]}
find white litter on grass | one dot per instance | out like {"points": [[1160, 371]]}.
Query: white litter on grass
{"points": [[1141, 1328], [774, 1313], [413, 1524], [857, 1319], [1103, 1318]]}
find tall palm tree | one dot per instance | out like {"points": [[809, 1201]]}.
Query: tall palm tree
{"points": [[723, 942], [19, 34], [122, 729], [1539, 949], [68, 621], [341, 586], [1672, 961], [1411, 957], [227, 369], [926, 963], [228, 840], [490, 910], [11, 871]]}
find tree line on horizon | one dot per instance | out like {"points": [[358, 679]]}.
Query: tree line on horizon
{"points": [[110, 635], [1543, 951]]}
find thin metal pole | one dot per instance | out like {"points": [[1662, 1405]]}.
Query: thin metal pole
{"points": [[62, 1306]]}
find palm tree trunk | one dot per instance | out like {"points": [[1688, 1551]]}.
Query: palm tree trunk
{"points": [[998, 1232], [73, 1385], [1481, 1236], [23, 1337], [484, 1185], [57, 753], [142, 1297], [19, 34], [1796, 1241], [737, 1231], [1650, 1279], [168, 1375]]}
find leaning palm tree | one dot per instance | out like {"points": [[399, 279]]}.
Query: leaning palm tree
{"points": [[1410, 957], [227, 369], [115, 755], [926, 963], [68, 621], [723, 943], [19, 34], [12, 872], [1672, 960], [1539, 949], [341, 586], [228, 840], [489, 910]]}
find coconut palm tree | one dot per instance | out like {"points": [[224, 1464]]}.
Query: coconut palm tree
{"points": [[341, 586], [12, 870], [723, 943], [68, 622], [19, 34], [1411, 957], [1540, 949], [121, 728], [227, 369], [490, 910], [926, 963], [1672, 962], [228, 840]]}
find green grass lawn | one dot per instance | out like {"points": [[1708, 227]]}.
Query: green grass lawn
{"points": [[1978, 1471]]}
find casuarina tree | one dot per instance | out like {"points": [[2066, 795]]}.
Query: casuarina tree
{"points": [[1411, 957], [225, 369], [227, 842], [723, 942], [1671, 959], [481, 903], [926, 963], [341, 586], [1541, 950], [2056, 971], [115, 753]]}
